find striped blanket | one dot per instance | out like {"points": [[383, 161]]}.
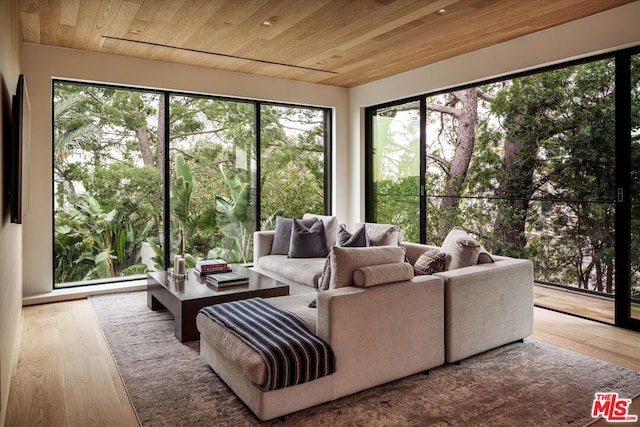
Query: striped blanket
{"points": [[292, 353]]}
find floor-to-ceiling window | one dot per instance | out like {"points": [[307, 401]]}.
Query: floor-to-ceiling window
{"points": [[293, 175], [525, 164], [395, 172], [142, 175], [212, 176], [107, 175]]}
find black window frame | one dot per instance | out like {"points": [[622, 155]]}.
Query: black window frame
{"points": [[166, 98], [622, 58]]}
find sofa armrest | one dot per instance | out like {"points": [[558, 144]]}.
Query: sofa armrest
{"points": [[262, 241], [382, 333], [487, 305]]}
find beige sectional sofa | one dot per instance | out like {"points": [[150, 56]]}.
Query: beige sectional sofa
{"points": [[379, 333]]}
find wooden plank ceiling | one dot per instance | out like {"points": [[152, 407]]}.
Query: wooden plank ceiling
{"points": [[336, 42]]}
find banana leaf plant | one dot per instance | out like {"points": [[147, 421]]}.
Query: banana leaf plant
{"points": [[234, 218], [188, 229], [109, 242]]}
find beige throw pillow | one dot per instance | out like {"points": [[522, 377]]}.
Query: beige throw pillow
{"points": [[382, 274], [345, 261], [382, 234], [464, 250]]}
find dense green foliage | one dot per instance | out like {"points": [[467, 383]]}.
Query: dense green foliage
{"points": [[109, 166], [535, 178]]}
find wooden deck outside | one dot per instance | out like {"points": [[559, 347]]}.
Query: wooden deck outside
{"points": [[578, 303]]}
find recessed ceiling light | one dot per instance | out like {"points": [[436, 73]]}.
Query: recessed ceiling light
{"points": [[266, 24], [134, 32], [441, 12]]}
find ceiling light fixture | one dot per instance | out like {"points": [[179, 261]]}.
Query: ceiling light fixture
{"points": [[266, 24], [441, 12], [134, 32]]}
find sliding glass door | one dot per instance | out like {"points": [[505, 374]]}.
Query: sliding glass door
{"points": [[531, 166], [395, 168]]}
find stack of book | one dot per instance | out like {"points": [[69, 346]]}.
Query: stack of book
{"points": [[211, 266], [223, 280]]}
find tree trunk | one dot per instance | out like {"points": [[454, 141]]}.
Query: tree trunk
{"points": [[609, 285], [467, 120], [145, 149], [599, 276], [516, 187]]}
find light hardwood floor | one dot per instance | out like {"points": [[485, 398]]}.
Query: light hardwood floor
{"points": [[66, 375]]}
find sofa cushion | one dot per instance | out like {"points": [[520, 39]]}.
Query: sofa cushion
{"points": [[307, 242], [382, 274], [431, 261], [463, 249], [344, 261], [282, 236], [325, 277], [236, 350], [300, 270], [382, 234], [359, 239], [298, 304], [330, 227]]}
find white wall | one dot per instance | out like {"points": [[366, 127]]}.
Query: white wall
{"points": [[42, 63], [607, 31], [10, 234]]}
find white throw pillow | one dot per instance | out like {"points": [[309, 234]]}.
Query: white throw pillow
{"points": [[464, 250]]}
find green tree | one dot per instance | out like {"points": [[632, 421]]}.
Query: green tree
{"points": [[110, 146]]}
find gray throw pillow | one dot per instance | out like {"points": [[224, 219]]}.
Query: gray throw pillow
{"points": [[359, 239], [485, 257], [307, 242], [330, 227], [282, 236]]}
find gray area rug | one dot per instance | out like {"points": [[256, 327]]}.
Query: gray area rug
{"points": [[521, 384]]}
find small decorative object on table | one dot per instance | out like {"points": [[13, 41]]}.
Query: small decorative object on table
{"points": [[181, 269]]}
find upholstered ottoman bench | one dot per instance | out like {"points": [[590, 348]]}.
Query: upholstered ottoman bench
{"points": [[243, 369]]}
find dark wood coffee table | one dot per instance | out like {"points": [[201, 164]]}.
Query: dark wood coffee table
{"points": [[185, 297]]}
